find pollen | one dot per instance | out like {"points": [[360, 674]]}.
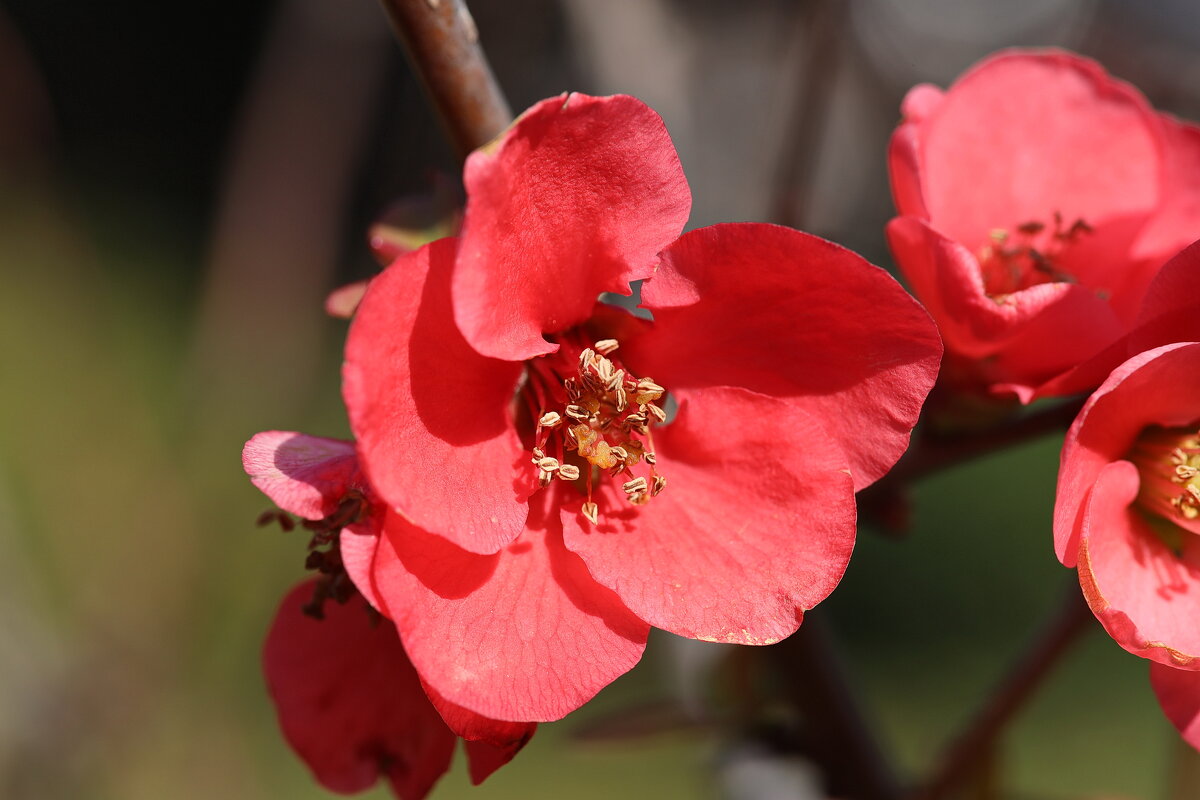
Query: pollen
{"points": [[594, 422]]}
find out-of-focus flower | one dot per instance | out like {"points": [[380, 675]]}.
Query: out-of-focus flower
{"points": [[348, 700], [541, 514], [1038, 197]]}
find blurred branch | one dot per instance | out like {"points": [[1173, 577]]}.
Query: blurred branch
{"points": [[819, 31], [443, 44], [977, 740], [853, 762]]}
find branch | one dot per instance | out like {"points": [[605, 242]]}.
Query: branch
{"points": [[843, 744], [978, 739], [443, 45]]}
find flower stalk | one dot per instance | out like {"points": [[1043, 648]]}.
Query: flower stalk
{"points": [[443, 45]]}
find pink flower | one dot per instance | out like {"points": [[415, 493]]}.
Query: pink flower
{"points": [[1038, 197], [541, 515], [1128, 506], [349, 701]]}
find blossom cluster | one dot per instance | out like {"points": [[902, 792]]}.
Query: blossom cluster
{"points": [[538, 477]]}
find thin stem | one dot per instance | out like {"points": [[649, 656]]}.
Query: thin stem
{"points": [[978, 739], [843, 744], [443, 44]]}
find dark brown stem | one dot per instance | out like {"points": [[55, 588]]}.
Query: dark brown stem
{"points": [[443, 44], [842, 743], [978, 739]]}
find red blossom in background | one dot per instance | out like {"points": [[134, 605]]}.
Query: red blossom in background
{"points": [[1038, 197], [348, 700], [540, 516]]}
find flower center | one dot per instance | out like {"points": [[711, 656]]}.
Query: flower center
{"points": [[594, 418], [1168, 460], [1028, 256]]}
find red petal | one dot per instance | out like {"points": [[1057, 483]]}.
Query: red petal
{"points": [[523, 634], [575, 199], [787, 314], [357, 544], [1020, 136], [490, 743], [754, 527], [350, 703], [1178, 218], [430, 414], [1147, 596], [305, 475], [1157, 387], [1178, 693], [1171, 308], [483, 759]]}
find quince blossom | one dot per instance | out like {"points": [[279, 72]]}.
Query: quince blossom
{"points": [[1128, 506], [1038, 196], [541, 507]]}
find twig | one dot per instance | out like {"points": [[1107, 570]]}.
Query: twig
{"points": [[978, 738], [443, 44], [853, 762]]}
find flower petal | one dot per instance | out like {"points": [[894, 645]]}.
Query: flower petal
{"points": [[1146, 595], [431, 415], [790, 315], [357, 544], [1157, 387], [350, 703], [1177, 221], [523, 634], [305, 475], [575, 199], [754, 527], [1178, 692], [1032, 127], [490, 743]]}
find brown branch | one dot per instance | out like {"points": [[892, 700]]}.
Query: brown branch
{"points": [[853, 762], [978, 739], [443, 45]]}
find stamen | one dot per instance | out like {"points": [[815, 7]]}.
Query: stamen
{"points": [[602, 428]]}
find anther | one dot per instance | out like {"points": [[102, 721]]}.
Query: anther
{"points": [[577, 413], [651, 459], [547, 464], [550, 419], [648, 391], [658, 413], [590, 512], [606, 346], [568, 472], [585, 359], [635, 486], [660, 483]]}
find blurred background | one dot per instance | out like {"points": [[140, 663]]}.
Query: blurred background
{"points": [[177, 199]]}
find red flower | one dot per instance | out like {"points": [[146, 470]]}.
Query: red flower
{"points": [[1038, 197], [1128, 507], [348, 699], [541, 516]]}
